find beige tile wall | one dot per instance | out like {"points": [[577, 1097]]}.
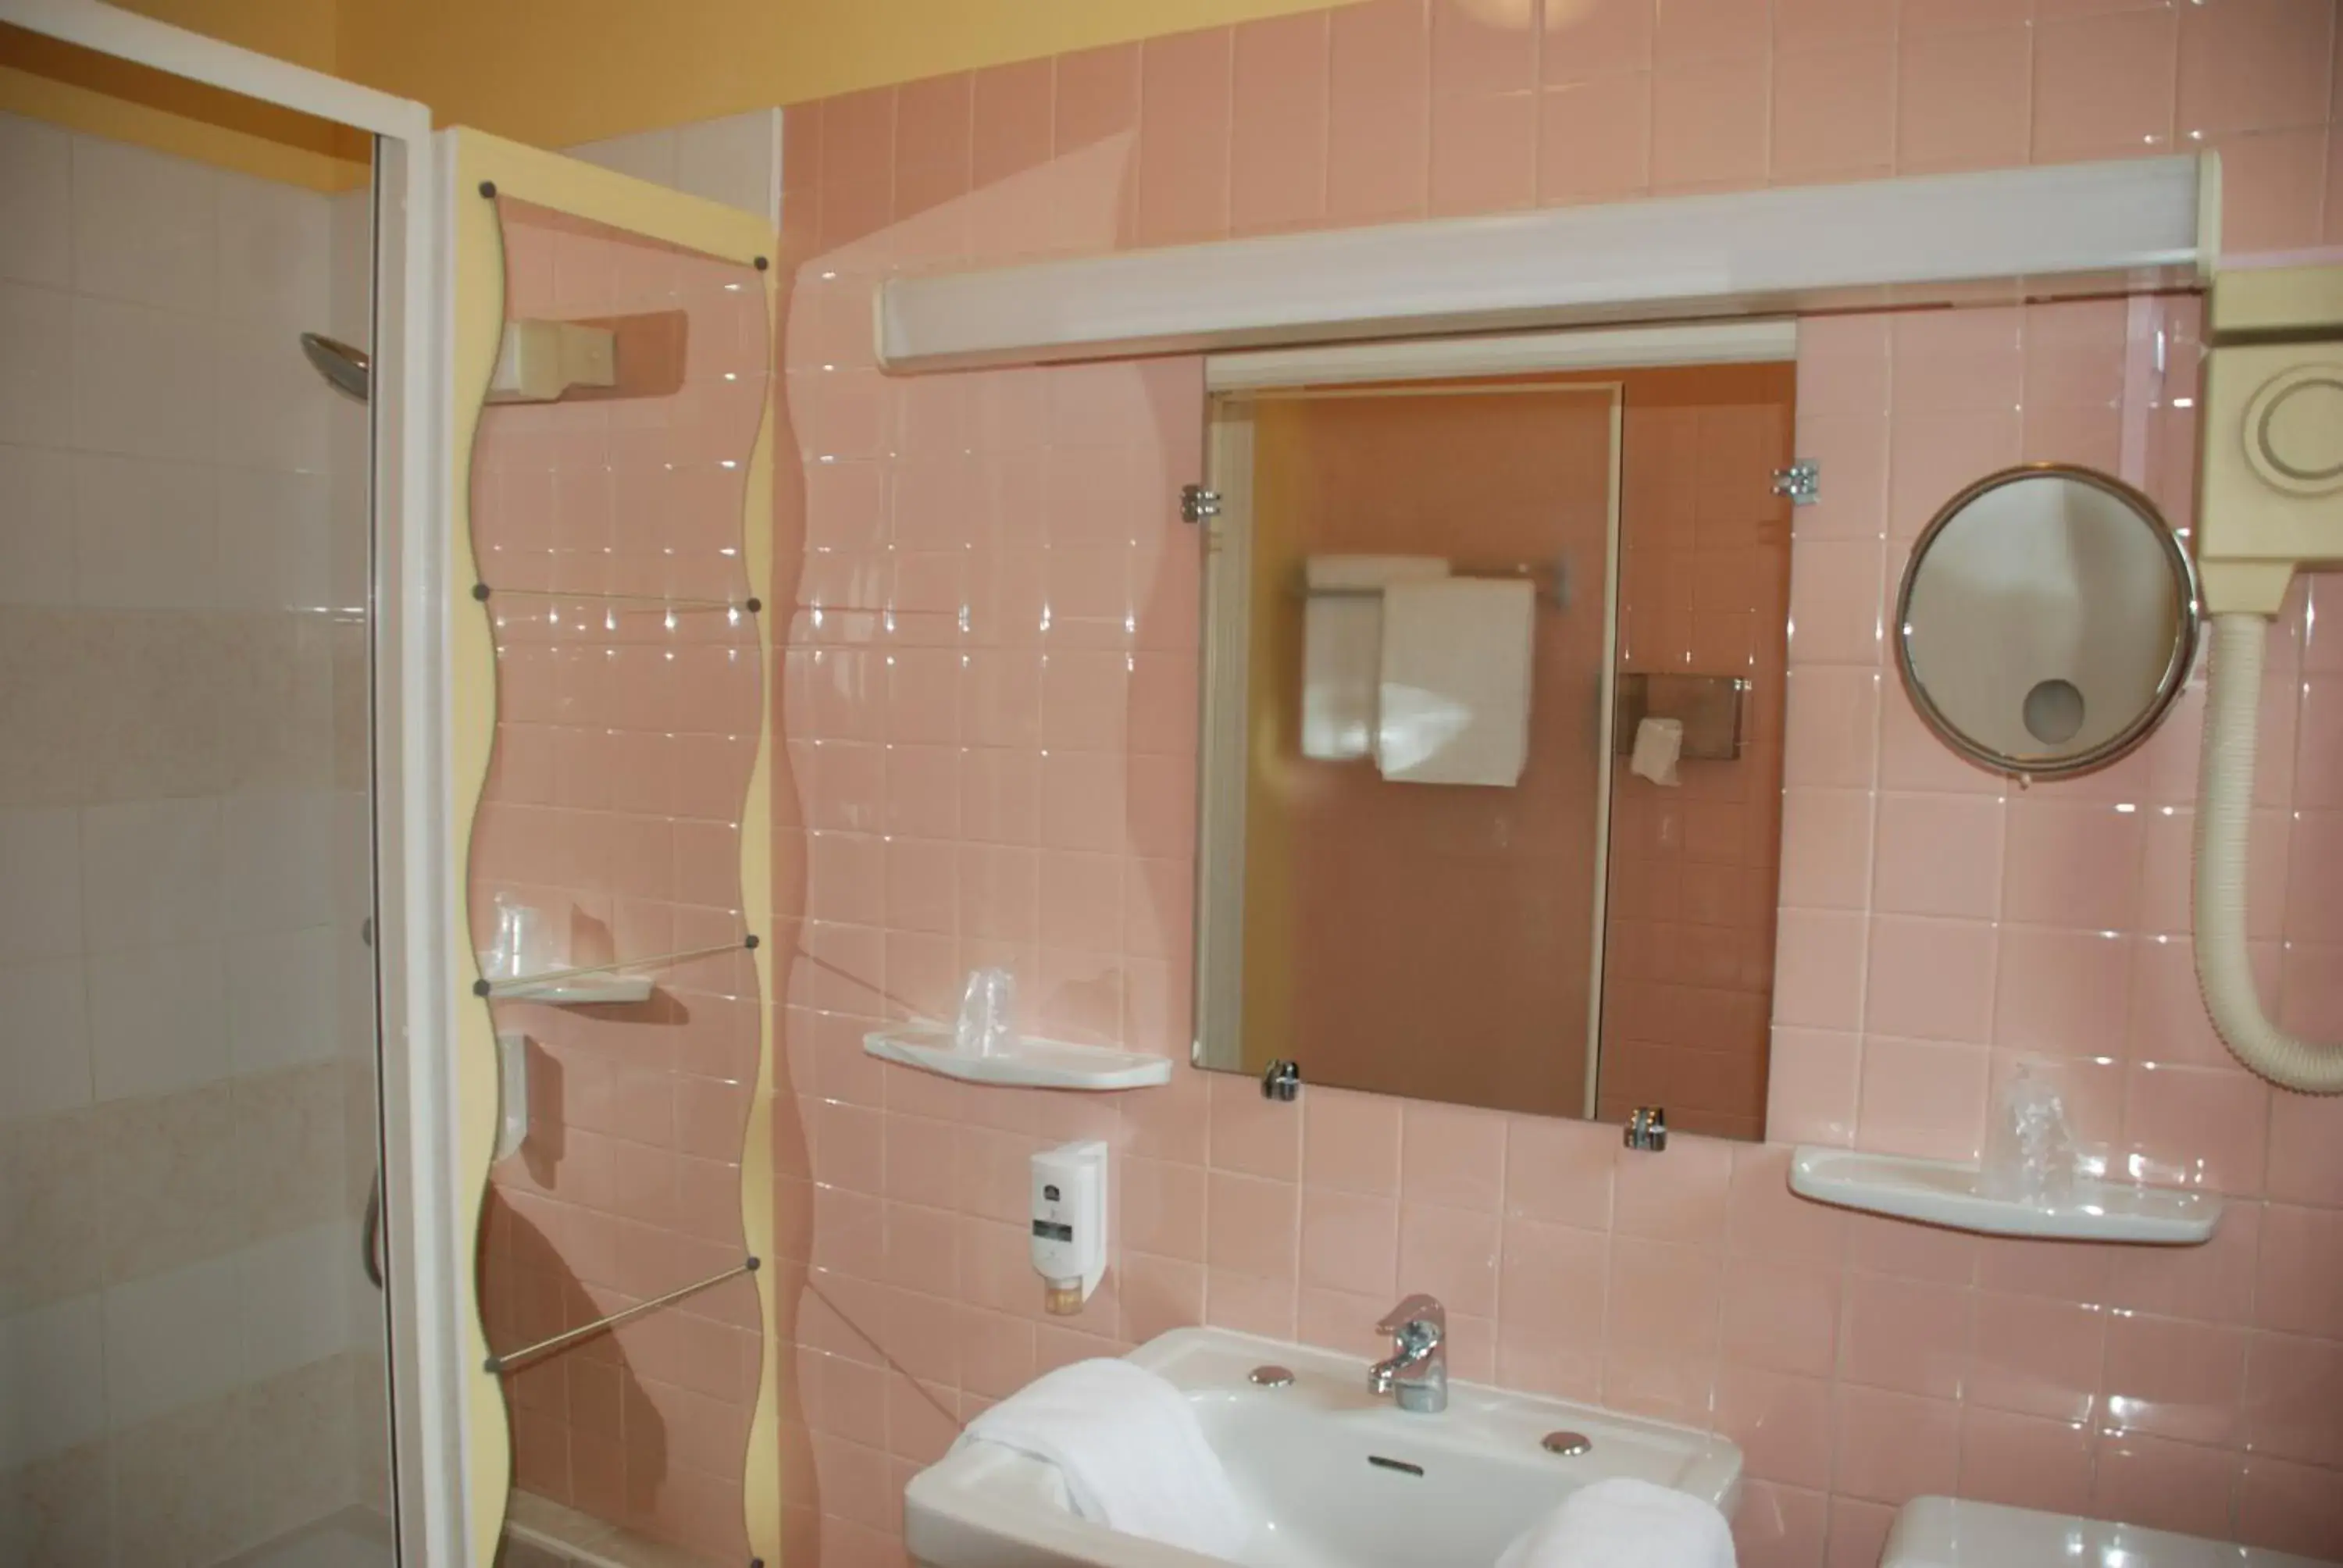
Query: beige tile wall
{"points": [[185, 1045]]}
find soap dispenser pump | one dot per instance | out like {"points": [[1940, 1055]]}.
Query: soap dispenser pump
{"points": [[1070, 1223]]}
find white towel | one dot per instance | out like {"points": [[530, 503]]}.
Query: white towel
{"points": [[1133, 1457], [1626, 1524], [1341, 648], [1455, 683]]}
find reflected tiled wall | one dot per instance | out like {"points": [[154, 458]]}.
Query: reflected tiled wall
{"points": [[184, 1012], [961, 530], [629, 692]]}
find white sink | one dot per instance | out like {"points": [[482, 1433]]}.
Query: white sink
{"points": [[1332, 1477]]}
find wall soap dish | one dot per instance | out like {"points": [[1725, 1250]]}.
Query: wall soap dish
{"points": [[1025, 1062], [1950, 1193]]}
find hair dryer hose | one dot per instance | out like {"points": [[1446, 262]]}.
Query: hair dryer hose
{"points": [[2224, 816]]}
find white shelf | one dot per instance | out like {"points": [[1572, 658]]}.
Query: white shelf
{"points": [[1949, 1192], [574, 990], [1029, 1063]]}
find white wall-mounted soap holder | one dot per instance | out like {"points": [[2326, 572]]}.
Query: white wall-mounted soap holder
{"points": [[1023, 1062]]}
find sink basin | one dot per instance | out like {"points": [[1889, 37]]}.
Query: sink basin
{"points": [[1332, 1477]]}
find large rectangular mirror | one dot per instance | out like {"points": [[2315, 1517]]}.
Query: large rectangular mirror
{"points": [[1493, 736]]}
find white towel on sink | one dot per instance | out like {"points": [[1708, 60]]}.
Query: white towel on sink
{"points": [[1626, 1524], [1131, 1452]]}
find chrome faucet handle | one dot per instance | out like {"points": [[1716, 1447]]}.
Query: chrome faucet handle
{"points": [[1420, 1318]]}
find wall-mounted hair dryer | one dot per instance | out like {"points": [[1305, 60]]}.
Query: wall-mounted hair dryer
{"points": [[2270, 502]]}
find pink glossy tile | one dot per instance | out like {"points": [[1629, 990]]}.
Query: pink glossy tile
{"points": [[1096, 97], [2076, 866], [1554, 1280], [1780, 1317], [1820, 958], [1348, 1242], [2306, 1150], [1827, 848], [2198, 1127], [1963, 99], [1858, 1531], [1675, 1200], [1451, 1155], [2025, 1462], [2254, 65], [2104, 86], [2300, 1289], [1278, 158], [1605, 38], [2292, 1386], [1938, 855], [1779, 1526], [1452, 1255], [1709, 29], [2061, 992], [1484, 154], [1478, 51], [1832, 726], [1256, 1136], [1350, 1142], [2289, 1507], [1782, 1424], [1908, 1335], [1834, 114], [1252, 1227], [2211, 1283], [1709, 120], [2168, 1378], [1184, 138], [1891, 1447], [1012, 113], [1930, 978], [1379, 112], [1661, 1347], [2163, 1485], [1559, 1171], [1801, 25], [1835, 602], [2038, 1357], [1924, 1097], [1594, 138]]}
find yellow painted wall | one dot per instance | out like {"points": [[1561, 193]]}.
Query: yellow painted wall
{"points": [[552, 73], [104, 97], [558, 72]]}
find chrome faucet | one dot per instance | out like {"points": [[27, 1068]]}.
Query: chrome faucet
{"points": [[1416, 1376]]}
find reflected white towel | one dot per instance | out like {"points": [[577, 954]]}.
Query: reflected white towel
{"points": [[1133, 1454], [1341, 648], [1626, 1524], [1456, 684], [1658, 743]]}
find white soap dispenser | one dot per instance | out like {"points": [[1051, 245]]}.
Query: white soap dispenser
{"points": [[1070, 1223]]}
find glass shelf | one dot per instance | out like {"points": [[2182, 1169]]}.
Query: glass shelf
{"points": [[594, 985]]}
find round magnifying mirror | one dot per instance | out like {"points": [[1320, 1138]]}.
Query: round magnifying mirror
{"points": [[2046, 621]]}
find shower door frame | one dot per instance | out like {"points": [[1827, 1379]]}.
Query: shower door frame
{"points": [[408, 413]]}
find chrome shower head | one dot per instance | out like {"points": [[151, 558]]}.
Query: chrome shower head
{"points": [[347, 368]]}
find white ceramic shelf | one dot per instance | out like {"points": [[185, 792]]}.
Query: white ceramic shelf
{"points": [[1029, 1063], [574, 990], [1947, 1192]]}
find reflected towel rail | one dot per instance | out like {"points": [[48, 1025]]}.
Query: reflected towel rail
{"points": [[506, 1363], [1552, 581], [519, 984]]}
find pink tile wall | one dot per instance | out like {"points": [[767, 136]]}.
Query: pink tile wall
{"points": [[1703, 590], [974, 542], [626, 729]]}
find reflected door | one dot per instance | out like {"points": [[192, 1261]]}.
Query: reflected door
{"points": [[616, 526]]}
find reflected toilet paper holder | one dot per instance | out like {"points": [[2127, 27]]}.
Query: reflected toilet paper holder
{"points": [[1709, 706]]}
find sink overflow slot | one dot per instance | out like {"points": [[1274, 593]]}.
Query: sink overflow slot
{"points": [[1402, 1466]]}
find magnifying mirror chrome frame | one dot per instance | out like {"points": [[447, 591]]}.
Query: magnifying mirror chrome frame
{"points": [[2168, 687]]}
